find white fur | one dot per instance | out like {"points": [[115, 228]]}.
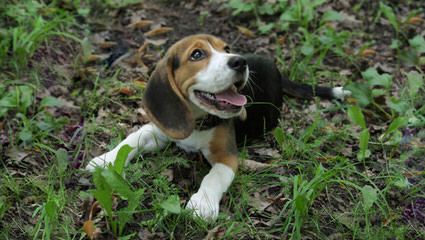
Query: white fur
{"points": [[198, 140], [215, 78], [205, 202], [148, 138], [340, 93]]}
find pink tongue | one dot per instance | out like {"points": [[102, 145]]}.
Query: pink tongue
{"points": [[231, 97]]}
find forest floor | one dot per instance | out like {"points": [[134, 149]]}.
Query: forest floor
{"points": [[72, 75]]}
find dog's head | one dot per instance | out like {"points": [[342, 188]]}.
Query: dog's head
{"points": [[198, 72]]}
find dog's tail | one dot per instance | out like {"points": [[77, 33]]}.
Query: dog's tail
{"points": [[307, 91]]}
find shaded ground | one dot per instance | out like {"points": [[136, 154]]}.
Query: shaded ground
{"points": [[115, 54]]}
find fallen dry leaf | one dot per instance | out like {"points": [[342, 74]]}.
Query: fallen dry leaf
{"points": [[390, 219], [251, 165], [158, 31], [140, 84], [246, 31], [124, 90], [107, 44], [16, 154], [89, 228], [142, 48], [157, 42], [140, 24], [415, 20], [368, 52], [93, 58], [215, 233]]}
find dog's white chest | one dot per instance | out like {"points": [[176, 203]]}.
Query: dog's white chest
{"points": [[198, 140]]}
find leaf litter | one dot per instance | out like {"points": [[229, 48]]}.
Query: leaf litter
{"points": [[135, 37]]}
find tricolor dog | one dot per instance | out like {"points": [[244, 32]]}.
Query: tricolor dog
{"points": [[196, 97]]}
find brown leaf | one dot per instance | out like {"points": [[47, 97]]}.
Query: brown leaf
{"points": [[368, 52], [158, 31], [140, 24], [390, 219], [93, 58], [107, 44], [124, 90], [246, 31], [215, 233], [16, 154], [415, 20], [89, 228], [142, 48], [251, 165], [140, 84]]}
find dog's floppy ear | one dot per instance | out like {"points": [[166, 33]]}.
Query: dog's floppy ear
{"points": [[164, 102]]}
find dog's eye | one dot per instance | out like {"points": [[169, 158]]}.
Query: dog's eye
{"points": [[197, 55], [227, 49]]}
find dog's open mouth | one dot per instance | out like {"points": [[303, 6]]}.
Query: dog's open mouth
{"points": [[227, 100]]}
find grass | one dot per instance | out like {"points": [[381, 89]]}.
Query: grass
{"points": [[340, 170]]}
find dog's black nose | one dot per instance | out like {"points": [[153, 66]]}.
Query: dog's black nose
{"points": [[237, 63]]}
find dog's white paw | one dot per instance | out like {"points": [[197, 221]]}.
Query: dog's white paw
{"points": [[205, 206], [340, 93], [99, 161]]}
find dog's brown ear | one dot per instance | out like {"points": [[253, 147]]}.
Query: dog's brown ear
{"points": [[164, 102]]}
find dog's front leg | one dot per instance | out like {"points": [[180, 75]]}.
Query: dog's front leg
{"points": [[148, 138], [222, 155]]}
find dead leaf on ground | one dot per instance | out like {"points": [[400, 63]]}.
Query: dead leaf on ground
{"points": [[251, 165], [107, 44], [415, 20], [368, 52], [157, 42], [124, 90], [274, 153], [142, 48], [140, 24], [246, 31], [158, 31], [215, 233], [89, 228], [16, 154]]}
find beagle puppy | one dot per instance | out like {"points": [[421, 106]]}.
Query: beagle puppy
{"points": [[198, 96]]}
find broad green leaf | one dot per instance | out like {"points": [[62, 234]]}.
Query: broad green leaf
{"points": [[418, 43], [332, 15], [122, 158], [26, 136], [172, 204], [307, 49], [369, 196], [279, 136], [356, 116], [26, 97], [104, 196], [396, 124], [62, 157], [408, 58], [378, 92], [116, 182], [361, 155], [361, 92], [399, 105], [395, 44], [389, 14], [50, 102], [51, 208], [416, 81], [376, 79], [301, 203], [364, 142], [9, 100]]}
